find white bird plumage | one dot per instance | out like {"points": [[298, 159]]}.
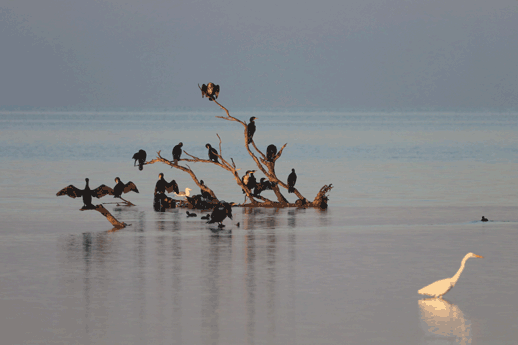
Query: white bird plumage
{"points": [[186, 193], [440, 287]]}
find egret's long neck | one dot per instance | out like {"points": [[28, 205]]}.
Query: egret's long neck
{"points": [[461, 268]]}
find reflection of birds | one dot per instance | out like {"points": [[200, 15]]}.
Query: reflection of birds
{"points": [[484, 219], [251, 129], [177, 152], [140, 156], [271, 151], [210, 91], [186, 193], [213, 154], [191, 214], [440, 318], [86, 193], [220, 212], [123, 188], [440, 287], [292, 179], [162, 185]]}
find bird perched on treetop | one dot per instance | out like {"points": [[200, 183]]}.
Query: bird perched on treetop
{"points": [[177, 152], [86, 193], [292, 179], [251, 129], [271, 151], [210, 91], [213, 154], [140, 156]]}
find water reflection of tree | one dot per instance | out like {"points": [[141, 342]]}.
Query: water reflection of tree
{"points": [[444, 322]]}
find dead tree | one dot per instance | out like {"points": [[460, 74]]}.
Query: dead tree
{"points": [[265, 166]]}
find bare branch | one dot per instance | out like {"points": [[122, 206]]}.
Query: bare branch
{"points": [[108, 215]]}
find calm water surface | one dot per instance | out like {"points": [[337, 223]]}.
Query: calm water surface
{"points": [[409, 191]]}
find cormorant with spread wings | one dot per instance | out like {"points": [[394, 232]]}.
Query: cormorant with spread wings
{"points": [[87, 194]]}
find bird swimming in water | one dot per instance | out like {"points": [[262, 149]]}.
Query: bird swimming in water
{"points": [[140, 156], [162, 185], [186, 193], [484, 219], [292, 179], [86, 193], [220, 212], [271, 151], [191, 214], [251, 129], [177, 152], [123, 188], [440, 287], [206, 217], [213, 154], [210, 91]]}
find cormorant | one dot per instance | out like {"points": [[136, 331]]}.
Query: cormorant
{"points": [[177, 152], [162, 185], [213, 154], [86, 193], [206, 217], [246, 179], [205, 194], [262, 186], [123, 188], [140, 156], [220, 212], [292, 179], [251, 129], [271, 151], [191, 214], [484, 219], [210, 91]]}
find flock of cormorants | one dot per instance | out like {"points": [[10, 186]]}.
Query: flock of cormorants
{"points": [[161, 201]]}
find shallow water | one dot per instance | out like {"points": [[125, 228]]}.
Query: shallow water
{"points": [[409, 191]]}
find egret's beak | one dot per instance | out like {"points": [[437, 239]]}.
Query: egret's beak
{"points": [[478, 256]]}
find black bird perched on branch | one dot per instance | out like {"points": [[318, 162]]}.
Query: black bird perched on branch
{"points": [[162, 185], [205, 194], [177, 152], [251, 129], [120, 188], [220, 212], [213, 154], [262, 186], [249, 180], [210, 91], [271, 151], [140, 156], [86, 193], [292, 179]]}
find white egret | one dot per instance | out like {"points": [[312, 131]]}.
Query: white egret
{"points": [[440, 287]]}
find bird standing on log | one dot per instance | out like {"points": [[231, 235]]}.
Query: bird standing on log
{"points": [[251, 129], [271, 151], [262, 186], [292, 179], [177, 152], [213, 154], [120, 188], [140, 156], [86, 193]]}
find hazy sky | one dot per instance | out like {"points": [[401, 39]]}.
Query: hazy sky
{"points": [[281, 53]]}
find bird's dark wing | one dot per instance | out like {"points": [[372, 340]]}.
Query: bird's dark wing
{"points": [[130, 187], [71, 191], [172, 186], [101, 191], [203, 90], [216, 91]]}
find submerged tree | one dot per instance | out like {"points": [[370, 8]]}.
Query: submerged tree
{"points": [[264, 163]]}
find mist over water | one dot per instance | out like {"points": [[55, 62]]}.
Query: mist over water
{"points": [[409, 191]]}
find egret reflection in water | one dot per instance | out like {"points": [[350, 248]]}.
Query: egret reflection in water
{"points": [[443, 322]]}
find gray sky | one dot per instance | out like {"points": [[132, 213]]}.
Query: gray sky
{"points": [[269, 53]]}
